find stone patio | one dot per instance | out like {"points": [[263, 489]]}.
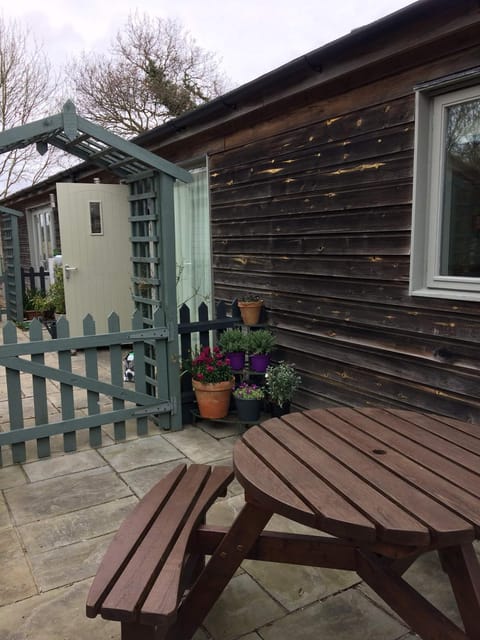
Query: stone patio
{"points": [[57, 516]]}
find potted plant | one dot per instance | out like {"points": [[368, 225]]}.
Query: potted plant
{"points": [[212, 381], [282, 381], [250, 306], [30, 303], [248, 401], [234, 344], [56, 292], [43, 305], [260, 345]]}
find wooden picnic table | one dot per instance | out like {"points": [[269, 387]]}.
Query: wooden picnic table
{"points": [[387, 485]]}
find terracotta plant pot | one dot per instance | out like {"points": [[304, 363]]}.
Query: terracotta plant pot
{"points": [[250, 311], [213, 398]]}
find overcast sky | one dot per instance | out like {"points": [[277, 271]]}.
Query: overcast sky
{"points": [[251, 37]]}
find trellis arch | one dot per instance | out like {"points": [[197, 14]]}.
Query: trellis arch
{"points": [[150, 179]]}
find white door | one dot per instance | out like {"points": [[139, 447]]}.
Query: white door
{"points": [[96, 249]]}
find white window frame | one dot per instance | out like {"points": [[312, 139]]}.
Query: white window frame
{"points": [[432, 100], [41, 248]]}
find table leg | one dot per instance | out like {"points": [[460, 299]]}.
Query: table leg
{"points": [[418, 613], [462, 567], [223, 563]]}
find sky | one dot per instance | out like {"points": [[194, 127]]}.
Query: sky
{"points": [[250, 37]]}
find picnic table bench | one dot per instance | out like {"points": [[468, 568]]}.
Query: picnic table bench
{"points": [[148, 564], [386, 485]]}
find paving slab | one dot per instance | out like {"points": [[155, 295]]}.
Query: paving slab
{"points": [[4, 515], [142, 480], [62, 465], [12, 477], [345, 616], [17, 581], [142, 452], [65, 494], [70, 528], [242, 608], [296, 586], [199, 446], [68, 564], [58, 614]]}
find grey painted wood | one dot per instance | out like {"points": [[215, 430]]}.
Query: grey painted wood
{"points": [[141, 404], [116, 376], [66, 390]]}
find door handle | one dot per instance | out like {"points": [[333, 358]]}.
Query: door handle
{"points": [[68, 268]]}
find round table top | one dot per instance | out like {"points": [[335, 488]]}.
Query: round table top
{"points": [[367, 474]]}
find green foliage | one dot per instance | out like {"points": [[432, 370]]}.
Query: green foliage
{"points": [[56, 292], [42, 303], [29, 298], [260, 341], [233, 341], [282, 382]]}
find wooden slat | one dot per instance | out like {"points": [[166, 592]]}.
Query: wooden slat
{"points": [[164, 594], [131, 587], [129, 537], [439, 464], [461, 434], [429, 441], [333, 513], [394, 524], [357, 449], [255, 475]]}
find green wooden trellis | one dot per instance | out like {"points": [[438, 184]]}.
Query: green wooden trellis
{"points": [[11, 261], [151, 180]]}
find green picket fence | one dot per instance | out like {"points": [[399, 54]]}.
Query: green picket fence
{"points": [[69, 367]]}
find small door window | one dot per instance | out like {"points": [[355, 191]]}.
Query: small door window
{"points": [[96, 226]]}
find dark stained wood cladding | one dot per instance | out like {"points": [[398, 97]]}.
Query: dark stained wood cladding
{"points": [[311, 208]]}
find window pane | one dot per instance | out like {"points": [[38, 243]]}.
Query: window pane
{"points": [[95, 218], [460, 246]]}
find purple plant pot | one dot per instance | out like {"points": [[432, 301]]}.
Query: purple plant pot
{"points": [[237, 360], [259, 362]]}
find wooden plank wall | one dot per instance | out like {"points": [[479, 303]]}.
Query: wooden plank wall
{"points": [[312, 209]]}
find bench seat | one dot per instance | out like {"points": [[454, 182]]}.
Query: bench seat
{"points": [[150, 561]]}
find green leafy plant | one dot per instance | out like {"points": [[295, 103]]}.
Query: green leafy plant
{"points": [[209, 365], [233, 341], [56, 292], [246, 391], [29, 298], [42, 303], [260, 341], [282, 381]]}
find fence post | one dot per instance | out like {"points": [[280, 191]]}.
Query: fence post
{"points": [[14, 395]]}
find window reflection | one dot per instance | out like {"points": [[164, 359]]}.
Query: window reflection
{"points": [[460, 246]]}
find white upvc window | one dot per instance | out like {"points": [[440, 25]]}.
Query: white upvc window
{"points": [[445, 260]]}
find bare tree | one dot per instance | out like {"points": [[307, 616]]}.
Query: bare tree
{"points": [[154, 71], [26, 89]]}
